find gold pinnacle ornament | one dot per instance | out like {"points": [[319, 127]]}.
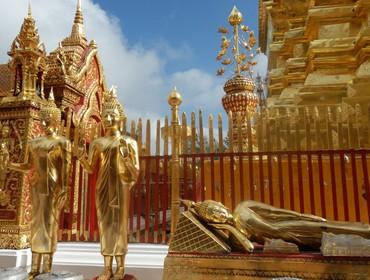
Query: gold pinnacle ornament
{"points": [[240, 101], [242, 37]]}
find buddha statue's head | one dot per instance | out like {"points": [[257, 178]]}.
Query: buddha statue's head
{"points": [[113, 113], [50, 116], [211, 211], [111, 119]]}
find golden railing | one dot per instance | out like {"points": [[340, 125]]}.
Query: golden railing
{"points": [[313, 160]]}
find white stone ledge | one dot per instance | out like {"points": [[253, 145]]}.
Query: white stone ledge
{"points": [[145, 261], [15, 258], [82, 253]]}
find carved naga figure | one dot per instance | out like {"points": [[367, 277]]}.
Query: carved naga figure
{"points": [[254, 221], [117, 155]]}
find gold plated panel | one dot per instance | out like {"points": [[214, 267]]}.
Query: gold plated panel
{"points": [[263, 266]]}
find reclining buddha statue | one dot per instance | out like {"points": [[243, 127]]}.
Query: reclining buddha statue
{"points": [[254, 221]]}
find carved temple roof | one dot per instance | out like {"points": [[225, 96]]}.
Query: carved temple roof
{"points": [[72, 58], [66, 66]]}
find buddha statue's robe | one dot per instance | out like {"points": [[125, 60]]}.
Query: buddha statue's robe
{"points": [[50, 157], [118, 172], [259, 221]]}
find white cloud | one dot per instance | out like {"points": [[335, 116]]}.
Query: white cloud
{"points": [[138, 71], [198, 87], [261, 67]]}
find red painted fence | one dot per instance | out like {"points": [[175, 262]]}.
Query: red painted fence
{"points": [[329, 183]]}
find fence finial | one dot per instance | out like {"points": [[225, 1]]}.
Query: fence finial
{"points": [[174, 100]]}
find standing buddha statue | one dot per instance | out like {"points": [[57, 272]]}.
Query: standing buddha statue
{"points": [[50, 158], [117, 155]]}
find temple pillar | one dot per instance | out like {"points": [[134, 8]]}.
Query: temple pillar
{"points": [[21, 119]]}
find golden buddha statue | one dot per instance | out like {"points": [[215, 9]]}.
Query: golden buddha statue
{"points": [[117, 155], [254, 221], [50, 158]]}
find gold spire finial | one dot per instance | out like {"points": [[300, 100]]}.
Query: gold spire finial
{"points": [[174, 97], [235, 17], [79, 17], [242, 61], [240, 101], [78, 23], [29, 14]]}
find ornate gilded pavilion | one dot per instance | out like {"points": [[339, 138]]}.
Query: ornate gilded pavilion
{"points": [[74, 72]]}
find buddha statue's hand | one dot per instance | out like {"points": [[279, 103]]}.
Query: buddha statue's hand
{"points": [[123, 148], [238, 236]]}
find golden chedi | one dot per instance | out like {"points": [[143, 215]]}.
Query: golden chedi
{"points": [[317, 52], [117, 156], [240, 101], [50, 158]]}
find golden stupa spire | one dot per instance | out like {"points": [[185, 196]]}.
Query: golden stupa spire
{"points": [[78, 29], [79, 17], [242, 61], [29, 13]]}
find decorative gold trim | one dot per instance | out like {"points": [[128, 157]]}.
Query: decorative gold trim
{"points": [[15, 237], [237, 267]]}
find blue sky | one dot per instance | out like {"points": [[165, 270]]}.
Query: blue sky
{"points": [[190, 25], [146, 47]]}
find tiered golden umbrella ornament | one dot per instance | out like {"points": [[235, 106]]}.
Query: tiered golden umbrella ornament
{"points": [[240, 101]]}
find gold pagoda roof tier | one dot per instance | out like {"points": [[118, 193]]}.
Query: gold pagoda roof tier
{"points": [[77, 36], [28, 38]]}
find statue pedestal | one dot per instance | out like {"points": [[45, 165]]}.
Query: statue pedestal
{"points": [[15, 258], [345, 245], [60, 275], [314, 266], [14, 273]]}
